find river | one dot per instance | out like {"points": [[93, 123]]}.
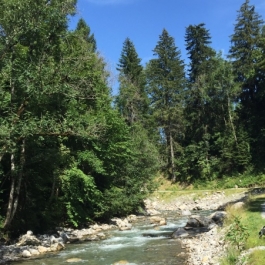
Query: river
{"points": [[144, 244]]}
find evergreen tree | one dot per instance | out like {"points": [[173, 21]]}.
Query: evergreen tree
{"points": [[129, 63], [166, 82], [198, 97], [84, 31], [247, 55], [132, 98], [199, 52], [244, 49], [215, 144]]}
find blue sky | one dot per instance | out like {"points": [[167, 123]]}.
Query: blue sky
{"points": [[112, 21]]}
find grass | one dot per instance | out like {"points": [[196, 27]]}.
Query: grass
{"points": [[250, 217], [168, 191], [257, 257]]}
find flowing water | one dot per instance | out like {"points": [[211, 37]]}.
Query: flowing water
{"points": [[144, 244]]}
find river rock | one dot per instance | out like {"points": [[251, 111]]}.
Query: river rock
{"points": [[57, 246], [152, 212], [185, 212], [132, 218], [65, 238], [199, 221], [180, 232], [122, 224], [26, 254], [101, 236], [28, 239], [42, 249], [34, 251], [158, 220], [218, 217]]}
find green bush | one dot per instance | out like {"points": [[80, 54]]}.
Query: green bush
{"points": [[237, 234]]}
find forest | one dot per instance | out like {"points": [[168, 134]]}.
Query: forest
{"points": [[72, 153]]}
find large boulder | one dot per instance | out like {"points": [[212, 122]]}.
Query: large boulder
{"points": [[180, 232], [199, 221], [218, 217]]}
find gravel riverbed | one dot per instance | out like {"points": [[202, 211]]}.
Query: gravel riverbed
{"points": [[206, 248]]}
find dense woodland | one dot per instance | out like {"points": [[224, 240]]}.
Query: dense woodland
{"points": [[71, 153]]}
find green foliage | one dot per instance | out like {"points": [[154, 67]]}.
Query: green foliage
{"points": [[237, 233], [199, 52], [231, 256], [257, 257], [132, 100], [90, 159], [80, 196], [84, 30], [166, 84]]}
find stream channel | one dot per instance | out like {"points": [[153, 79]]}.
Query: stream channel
{"points": [[143, 245]]}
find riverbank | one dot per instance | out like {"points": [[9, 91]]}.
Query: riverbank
{"points": [[205, 248]]}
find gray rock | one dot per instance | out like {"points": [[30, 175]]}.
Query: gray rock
{"points": [[64, 237], [199, 221], [218, 217], [28, 239], [180, 232]]}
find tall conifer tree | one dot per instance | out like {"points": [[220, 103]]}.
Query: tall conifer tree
{"points": [[132, 98], [85, 32], [166, 82], [198, 40], [246, 54]]}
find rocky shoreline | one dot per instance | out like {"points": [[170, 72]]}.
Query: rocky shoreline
{"points": [[30, 246], [202, 247]]}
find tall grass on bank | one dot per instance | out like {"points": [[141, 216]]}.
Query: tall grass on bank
{"points": [[250, 218]]}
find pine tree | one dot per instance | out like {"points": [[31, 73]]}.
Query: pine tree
{"points": [[199, 52], [132, 98], [197, 97], [129, 63], [244, 48], [247, 54], [166, 82], [84, 30]]}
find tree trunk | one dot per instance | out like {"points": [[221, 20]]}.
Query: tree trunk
{"points": [[172, 158], [16, 180], [231, 120], [11, 194]]}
